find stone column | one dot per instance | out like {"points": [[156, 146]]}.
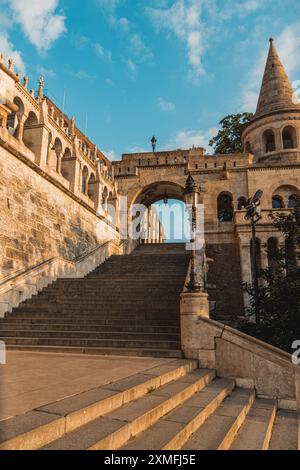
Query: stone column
{"points": [[58, 164], [192, 308], [245, 257], [264, 253], [20, 128], [149, 225]]}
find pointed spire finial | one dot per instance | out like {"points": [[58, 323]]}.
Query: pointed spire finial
{"points": [[271, 40], [276, 92]]}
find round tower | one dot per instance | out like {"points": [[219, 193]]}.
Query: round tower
{"points": [[274, 132]]}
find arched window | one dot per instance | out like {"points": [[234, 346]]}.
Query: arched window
{"points": [[29, 133], [65, 164], [277, 202], [104, 196], [273, 252], [58, 151], [14, 119], [293, 201], [92, 190], [225, 207], [289, 138], [242, 203], [290, 255], [248, 147], [32, 120], [84, 180], [269, 141]]}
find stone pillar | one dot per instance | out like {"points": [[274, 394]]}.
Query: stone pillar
{"points": [[20, 128], [264, 253], [192, 307], [58, 165], [245, 257]]}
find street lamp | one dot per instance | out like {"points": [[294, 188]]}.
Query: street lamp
{"points": [[154, 143], [254, 216], [191, 195]]}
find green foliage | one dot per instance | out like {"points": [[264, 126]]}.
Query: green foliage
{"points": [[279, 293], [228, 140]]}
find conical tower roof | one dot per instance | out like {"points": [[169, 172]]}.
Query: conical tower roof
{"points": [[276, 93]]}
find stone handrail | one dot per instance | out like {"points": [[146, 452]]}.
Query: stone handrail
{"points": [[23, 285], [253, 363]]}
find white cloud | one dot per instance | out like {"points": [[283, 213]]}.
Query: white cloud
{"points": [[198, 24], [46, 73], [131, 65], [83, 75], [140, 50], [166, 106], [39, 20], [111, 155], [102, 52], [183, 19], [9, 51], [186, 139]]}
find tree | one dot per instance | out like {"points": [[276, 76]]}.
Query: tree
{"points": [[279, 293], [228, 140]]}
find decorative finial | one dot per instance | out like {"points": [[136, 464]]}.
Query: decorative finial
{"points": [[1, 58], [271, 40], [25, 82], [73, 126], [18, 76], [11, 64], [41, 88]]}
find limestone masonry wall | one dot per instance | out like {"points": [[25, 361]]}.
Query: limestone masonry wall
{"points": [[39, 221]]}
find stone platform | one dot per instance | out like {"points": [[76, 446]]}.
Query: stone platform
{"points": [[30, 380]]}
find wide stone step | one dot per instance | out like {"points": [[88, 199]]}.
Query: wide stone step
{"points": [[219, 431], [109, 351], [51, 422], [92, 334], [256, 431], [95, 320], [173, 430], [115, 429], [286, 431], [90, 343], [93, 325]]}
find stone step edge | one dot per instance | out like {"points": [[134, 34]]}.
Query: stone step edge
{"points": [[119, 438], [48, 433], [178, 441], [236, 426], [101, 351]]}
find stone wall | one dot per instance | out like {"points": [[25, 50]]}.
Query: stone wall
{"points": [[40, 220]]}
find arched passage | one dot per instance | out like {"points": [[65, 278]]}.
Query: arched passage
{"points": [[158, 213]]}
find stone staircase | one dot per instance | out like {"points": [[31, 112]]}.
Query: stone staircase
{"points": [[169, 407], [129, 305]]}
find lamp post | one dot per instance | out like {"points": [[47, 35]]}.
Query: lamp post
{"points": [[154, 143], [254, 216], [191, 194]]}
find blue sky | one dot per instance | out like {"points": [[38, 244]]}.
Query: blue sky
{"points": [[130, 69]]}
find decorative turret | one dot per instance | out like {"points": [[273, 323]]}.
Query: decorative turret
{"points": [[274, 132], [276, 91]]}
